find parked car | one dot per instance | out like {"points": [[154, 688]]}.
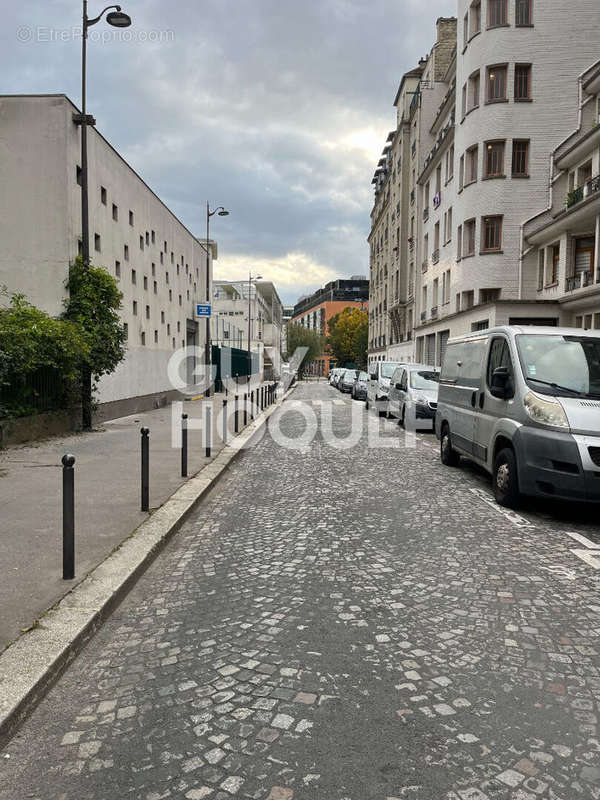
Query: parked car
{"points": [[413, 395], [335, 376], [346, 381], [359, 390], [524, 403], [378, 388]]}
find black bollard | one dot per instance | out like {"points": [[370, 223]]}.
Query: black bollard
{"points": [[225, 427], [245, 409], [184, 445], [252, 404], [68, 517], [208, 429], [236, 424], [145, 468]]}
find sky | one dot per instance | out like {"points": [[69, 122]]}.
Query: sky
{"points": [[277, 110]]}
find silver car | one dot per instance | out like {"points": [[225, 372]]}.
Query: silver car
{"points": [[346, 381], [524, 403], [413, 396]]}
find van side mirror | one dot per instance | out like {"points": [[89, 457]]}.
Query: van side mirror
{"points": [[501, 385], [398, 386], [373, 376]]}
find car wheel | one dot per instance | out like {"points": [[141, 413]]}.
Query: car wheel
{"points": [[448, 455], [505, 479]]}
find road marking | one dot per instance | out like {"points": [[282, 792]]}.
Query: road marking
{"points": [[583, 540], [592, 558], [512, 516]]}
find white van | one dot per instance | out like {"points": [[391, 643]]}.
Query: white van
{"points": [[378, 387], [524, 403]]}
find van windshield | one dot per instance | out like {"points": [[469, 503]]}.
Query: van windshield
{"points": [[362, 376], [424, 379], [387, 369], [561, 365]]}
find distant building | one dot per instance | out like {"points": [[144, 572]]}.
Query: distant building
{"points": [[315, 311], [159, 264]]}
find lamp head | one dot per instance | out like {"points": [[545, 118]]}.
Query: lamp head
{"points": [[223, 213], [118, 19]]}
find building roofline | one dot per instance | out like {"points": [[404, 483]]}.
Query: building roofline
{"points": [[127, 164], [412, 73]]}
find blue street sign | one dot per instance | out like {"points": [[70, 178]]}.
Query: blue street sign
{"points": [[203, 310]]}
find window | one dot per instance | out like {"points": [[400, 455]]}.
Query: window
{"points": [[135, 308], [497, 13], [450, 165], [97, 243], [449, 226], [464, 100], [178, 326], [162, 258], [153, 237], [155, 337], [541, 256], [115, 212], [494, 159], [469, 243], [147, 237], [473, 99], [475, 17], [78, 174], [523, 12], [471, 165], [180, 299], [459, 243], [103, 195], [147, 312], [166, 277], [126, 330], [465, 30], [133, 277], [555, 263], [491, 234], [496, 84], [145, 283], [499, 357], [131, 218], [153, 269], [118, 269], [520, 158], [461, 173], [143, 338], [522, 82], [126, 252], [162, 317], [141, 242]]}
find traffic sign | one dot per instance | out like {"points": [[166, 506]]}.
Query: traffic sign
{"points": [[203, 310]]}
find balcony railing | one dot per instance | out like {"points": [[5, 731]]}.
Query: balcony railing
{"points": [[425, 214], [424, 265], [434, 312], [435, 256], [437, 199], [581, 280], [412, 197], [577, 195]]}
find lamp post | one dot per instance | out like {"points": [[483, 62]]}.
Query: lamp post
{"points": [[117, 19], [208, 351], [250, 279]]}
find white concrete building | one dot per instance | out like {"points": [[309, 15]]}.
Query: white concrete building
{"points": [[159, 264], [487, 130]]}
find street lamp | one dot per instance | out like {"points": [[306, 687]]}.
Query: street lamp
{"points": [[117, 19], [250, 279], [208, 352]]}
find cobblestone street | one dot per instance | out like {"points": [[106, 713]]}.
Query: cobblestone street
{"points": [[330, 624]]}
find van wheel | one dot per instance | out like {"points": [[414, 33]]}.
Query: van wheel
{"points": [[505, 479], [448, 455]]}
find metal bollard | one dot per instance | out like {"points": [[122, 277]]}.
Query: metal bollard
{"points": [[236, 424], [68, 572], [252, 404], [145, 468], [208, 429], [245, 409], [225, 426], [262, 397], [184, 445]]}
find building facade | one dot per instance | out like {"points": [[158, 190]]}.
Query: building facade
{"points": [[486, 124], [159, 264], [315, 311]]}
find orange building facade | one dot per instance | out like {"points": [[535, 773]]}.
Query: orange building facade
{"points": [[315, 311]]}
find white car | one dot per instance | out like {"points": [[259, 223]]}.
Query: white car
{"points": [[413, 395], [378, 388]]}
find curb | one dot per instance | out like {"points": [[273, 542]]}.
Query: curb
{"points": [[37, 659]]}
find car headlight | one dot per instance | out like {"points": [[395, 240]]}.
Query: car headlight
{"points": [[545, 412], [422, 401]]}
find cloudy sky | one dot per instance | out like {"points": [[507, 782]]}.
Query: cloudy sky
{"points": [[276, 109]]}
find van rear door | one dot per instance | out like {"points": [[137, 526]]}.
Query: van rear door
{"points": [[462, 374], [491, 408]]}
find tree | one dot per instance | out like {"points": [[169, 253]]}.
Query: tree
{"points": [[348, 336], [299, 336]]}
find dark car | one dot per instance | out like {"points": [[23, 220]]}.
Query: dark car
{"points": [[346, 382], [359, 390]]}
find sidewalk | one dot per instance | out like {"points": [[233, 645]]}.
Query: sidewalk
{"points": [[107, 502]]}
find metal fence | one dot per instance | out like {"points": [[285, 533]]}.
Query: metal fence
{"points": [[43, 390], [231, 362]]}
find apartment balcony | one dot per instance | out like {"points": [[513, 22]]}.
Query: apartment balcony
{"points": [[423, 316], [435, 256], [425, 214], [581, 281], [425, 265], [411, 244], [579, 194], [434, 312]]}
